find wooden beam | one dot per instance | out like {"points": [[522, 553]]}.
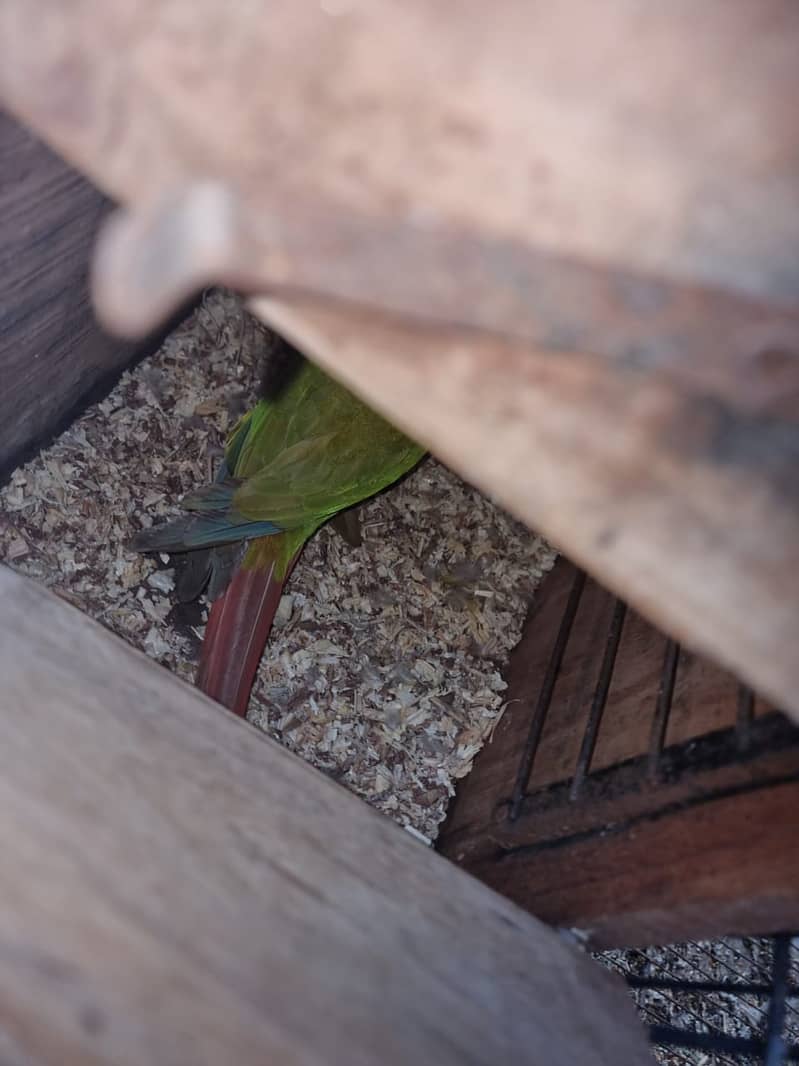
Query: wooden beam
{"points": [[179, 889], [53, 354]]}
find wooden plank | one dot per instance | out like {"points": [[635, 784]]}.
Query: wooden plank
{"points": [[704, 695], [53, 354], [566, 719], [650, 841], [708, 870], [705, 699], [701, 772], [472, 127], [627, 721], [483, 797], [178, 889]]}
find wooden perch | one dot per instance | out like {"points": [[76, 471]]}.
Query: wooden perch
{"points": [[177, 889]]}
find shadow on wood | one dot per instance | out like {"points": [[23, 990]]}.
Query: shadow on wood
{"points": [[177, 889]]}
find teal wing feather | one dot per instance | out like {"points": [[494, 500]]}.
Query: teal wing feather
{"points": [[200, 531]]}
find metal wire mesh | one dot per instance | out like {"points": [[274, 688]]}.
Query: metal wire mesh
{"points": [[732, 1002]]}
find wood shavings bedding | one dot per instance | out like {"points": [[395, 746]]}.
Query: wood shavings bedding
{"points": [[384, 667]]}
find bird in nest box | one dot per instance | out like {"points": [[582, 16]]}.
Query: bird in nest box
{"points": [[307, 452]]}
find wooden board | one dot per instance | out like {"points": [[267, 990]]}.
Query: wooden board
{"points": [[702, 871], [560, 741], [53, 354], [693, 842], [177, 889]]}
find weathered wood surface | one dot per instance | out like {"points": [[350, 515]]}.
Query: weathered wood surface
{"points": [[705, 847], [177, 889], [587, 241], [53, 353]]}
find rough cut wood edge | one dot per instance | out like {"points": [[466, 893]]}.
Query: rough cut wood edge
{"points": [[53, 354], [178, 889], [640, 475]]}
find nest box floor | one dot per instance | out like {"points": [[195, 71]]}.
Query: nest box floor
{"points": [[384, 668]]}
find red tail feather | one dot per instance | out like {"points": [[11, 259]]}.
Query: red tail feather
{"points": [[238, 627]]}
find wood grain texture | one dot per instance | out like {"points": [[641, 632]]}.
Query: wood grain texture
{"points": [[177, 889], [707, 847], [574, 688], [730, 867], [53, 353]]}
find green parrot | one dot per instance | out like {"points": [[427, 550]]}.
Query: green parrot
{"points": [[293, 462]]}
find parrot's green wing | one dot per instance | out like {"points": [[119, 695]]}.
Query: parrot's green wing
{"points": [[308, 483], [292, 463], [300, 459]]}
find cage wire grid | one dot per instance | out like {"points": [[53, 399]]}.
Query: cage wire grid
{"points": [[733, 1001]]}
